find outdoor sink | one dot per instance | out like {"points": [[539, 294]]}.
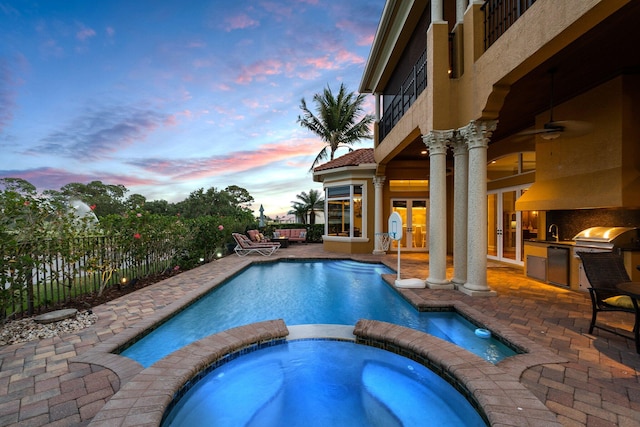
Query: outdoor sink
{"points": [[553, 242]]}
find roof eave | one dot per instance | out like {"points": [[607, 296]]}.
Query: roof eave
{"points": [[390, 28], [318, 176]]}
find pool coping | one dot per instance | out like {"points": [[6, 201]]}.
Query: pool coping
{"points": [[498, 395], [103, 354]]}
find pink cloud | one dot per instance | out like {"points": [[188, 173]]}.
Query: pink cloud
{"points": [[223, 87], [344, 56], [361, 30], [322, 62], [239, 161], [252, 103], [240, 22], [228, 113], [258, 71]]}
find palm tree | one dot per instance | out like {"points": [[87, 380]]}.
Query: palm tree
{"points": [[311, 203], [300, 212], [336, 122]]}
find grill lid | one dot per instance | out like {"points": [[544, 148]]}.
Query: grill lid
{"points": [[619, 237]]}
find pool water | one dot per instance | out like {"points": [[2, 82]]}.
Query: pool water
{"points": [[322, 383], [309, 292]]}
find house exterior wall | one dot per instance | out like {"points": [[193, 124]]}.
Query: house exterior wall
{"points": [[595, 173], [480, 91]]}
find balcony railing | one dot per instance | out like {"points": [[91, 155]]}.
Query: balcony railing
{"points": [[411, 88], [499, 15]]}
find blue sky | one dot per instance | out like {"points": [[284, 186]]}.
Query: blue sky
{"points": [[167, 96]]}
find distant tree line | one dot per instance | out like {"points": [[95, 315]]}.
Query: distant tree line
{"points": [[112, 199]]}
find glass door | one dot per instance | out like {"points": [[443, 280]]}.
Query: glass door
{"points": [[504, 228], [414, 214]]}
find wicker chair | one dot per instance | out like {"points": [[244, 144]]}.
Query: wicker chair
{"points": [[605, 270]]}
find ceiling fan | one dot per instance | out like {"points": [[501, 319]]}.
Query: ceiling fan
{"points": [[553, 129]]}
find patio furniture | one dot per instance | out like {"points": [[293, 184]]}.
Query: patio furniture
{"points": [[606, 271], [632, 290], [284, 241], [293, 234], [256, 236], [244, 246]]}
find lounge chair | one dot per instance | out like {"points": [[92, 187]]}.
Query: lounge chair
{"points": [[606, 270], [244, 246]]}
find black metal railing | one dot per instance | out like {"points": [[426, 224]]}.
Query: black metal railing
{"points": [[499, 15], [411, 88], [45, 274]]}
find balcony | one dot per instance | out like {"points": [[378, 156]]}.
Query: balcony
{"points": [[499, 15], [411, 88]]}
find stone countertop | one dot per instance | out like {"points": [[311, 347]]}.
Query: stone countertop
{"points": [[552, 242]]}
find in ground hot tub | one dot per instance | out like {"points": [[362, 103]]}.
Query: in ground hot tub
{"points": [[322, 383]]}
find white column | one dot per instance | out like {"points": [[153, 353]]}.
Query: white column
{"points": [[378, 184], [461, 6], [436, 11], [460, 206], [477, 135], [377, 106], [436, 142]]}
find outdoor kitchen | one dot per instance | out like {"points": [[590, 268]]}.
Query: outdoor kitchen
{"points": [[553, 258]]}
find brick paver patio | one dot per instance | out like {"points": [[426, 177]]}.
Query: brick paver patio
{"points": [[54, 382]]}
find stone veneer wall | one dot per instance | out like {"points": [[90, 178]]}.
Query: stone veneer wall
{"points": [[571, 222]]}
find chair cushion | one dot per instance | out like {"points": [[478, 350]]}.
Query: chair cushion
{"points": [[622, 301]]}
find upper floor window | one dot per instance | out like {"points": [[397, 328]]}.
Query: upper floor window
{"points": [[510, 165]]}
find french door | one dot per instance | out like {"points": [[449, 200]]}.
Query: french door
{"points": [[414, 214], [504, 239]]}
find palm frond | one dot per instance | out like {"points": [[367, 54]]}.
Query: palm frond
{"points": [[337, 121]]}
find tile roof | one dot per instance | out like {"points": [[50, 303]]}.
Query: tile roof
{"points": [[354, 158]]}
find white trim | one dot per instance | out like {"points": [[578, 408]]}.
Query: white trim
{"points": [[365, 198]]}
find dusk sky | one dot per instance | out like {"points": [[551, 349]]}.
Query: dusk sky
{"points": [[167, 96]]}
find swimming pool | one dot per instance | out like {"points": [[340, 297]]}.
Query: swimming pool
{"points": [[321, 383], [306, 292]]}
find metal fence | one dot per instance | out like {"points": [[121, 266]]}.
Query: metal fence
{"points": [[42, 275], [499, 15]]}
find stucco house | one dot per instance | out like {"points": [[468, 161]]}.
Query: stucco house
{"points": [[494, 120]]}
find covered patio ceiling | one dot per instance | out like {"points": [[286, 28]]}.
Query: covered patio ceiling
{"points": [[609, 50]]}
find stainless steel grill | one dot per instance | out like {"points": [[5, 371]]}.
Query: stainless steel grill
{"points": [[608, 238], [604, 239]]}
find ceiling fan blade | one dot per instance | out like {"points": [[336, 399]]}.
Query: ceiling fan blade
{"points": [[535, 132], [564, 128], [573, 128]]}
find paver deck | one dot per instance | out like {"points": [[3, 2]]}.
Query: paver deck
{"points": [[48, 382]]}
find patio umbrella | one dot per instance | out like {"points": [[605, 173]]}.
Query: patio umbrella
{"points": [[261, 223]]}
